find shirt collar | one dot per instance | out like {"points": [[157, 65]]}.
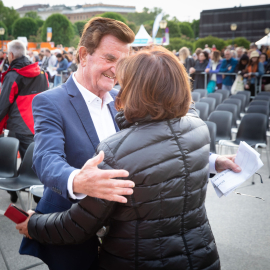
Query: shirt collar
{"points": [[89, 96]]}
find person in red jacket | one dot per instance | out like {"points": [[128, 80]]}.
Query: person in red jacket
{"points": [[20, 84]]}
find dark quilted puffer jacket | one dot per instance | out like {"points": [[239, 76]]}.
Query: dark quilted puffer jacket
{"points": [[164, 224]]}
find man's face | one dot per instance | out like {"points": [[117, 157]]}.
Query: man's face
{"points": [[227, 55], [47, 54], [239, 53], [99, 70]]}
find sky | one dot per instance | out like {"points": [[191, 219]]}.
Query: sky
{"points": [[184, 10]]}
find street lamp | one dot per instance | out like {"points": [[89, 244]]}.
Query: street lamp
{"points": [[233, 28], [2, 32], [163, 25]]}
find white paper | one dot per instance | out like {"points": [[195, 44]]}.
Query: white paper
{"points": [[248, 160]]}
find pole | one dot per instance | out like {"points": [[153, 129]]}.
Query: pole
{"points": [[2, 42]]}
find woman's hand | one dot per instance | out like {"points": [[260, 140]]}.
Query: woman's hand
{"points": [[192, 70], [207, 70], [23, 227]]}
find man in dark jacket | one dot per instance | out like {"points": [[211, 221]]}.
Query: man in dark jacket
{"points": [[20, 84]]}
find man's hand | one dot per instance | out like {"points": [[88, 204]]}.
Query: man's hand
{"points": [[226, 162], [23, 227], [101, 183]]}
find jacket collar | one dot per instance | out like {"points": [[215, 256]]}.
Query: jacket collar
{"points": [[80, 107]]}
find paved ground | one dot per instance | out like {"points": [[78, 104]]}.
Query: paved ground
{"points": [[241, 226]]}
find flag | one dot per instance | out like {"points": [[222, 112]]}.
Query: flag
{"points": [[156, 25], [49, 34]]}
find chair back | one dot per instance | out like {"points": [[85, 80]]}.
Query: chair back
{"points": [[236, 102], [217, 96], [223, 120], [252, 129], [260, 109], [196, 96], [8, 157], [262, 98], [26, 172], [264, 94], [211, 102], [203, 92], [243, 99], [204, 110], [229, 108], [212, 131], [225, 94], [247, 94]]}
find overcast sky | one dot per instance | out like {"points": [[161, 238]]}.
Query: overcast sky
{"points": [[184, 10]]}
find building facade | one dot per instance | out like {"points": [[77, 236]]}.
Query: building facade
{"points": [[88, 11], [75, 13], [251, 22]]}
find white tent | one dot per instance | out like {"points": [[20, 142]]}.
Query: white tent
{"points": [[264, 41], [142, 38]]}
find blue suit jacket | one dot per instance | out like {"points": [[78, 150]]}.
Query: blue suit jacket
{"points": [[65, 138]]}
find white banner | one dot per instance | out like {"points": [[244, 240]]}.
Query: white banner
{"points": [[156, 25]]}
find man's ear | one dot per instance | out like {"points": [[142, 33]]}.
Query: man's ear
{"points": [[83, 56]]}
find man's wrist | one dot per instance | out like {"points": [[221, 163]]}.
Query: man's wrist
{"points": [[212, 163], [71, 192]]}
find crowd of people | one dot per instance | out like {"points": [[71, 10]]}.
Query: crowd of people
{"points": [[250, 64]]}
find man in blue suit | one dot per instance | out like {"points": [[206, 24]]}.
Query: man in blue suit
{"points": [[70, 121]]}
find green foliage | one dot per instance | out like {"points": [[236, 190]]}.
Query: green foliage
{"points": [[239, 41], [220, 43], [195, 25], [115, 16], [62, 29], [75, 41], [32, 14], [24, 27], [80, 25], [37, 37], [185, 28], [146, 15], [174, 29], [5, 36], [8, 16], [177, 43], [39, 22], [132, 26]]}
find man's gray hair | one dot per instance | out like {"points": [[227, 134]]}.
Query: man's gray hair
{"points": [[17, 47]]}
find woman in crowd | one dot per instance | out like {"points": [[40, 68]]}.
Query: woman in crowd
{"points": [[254, 69], [212, 68], [61, 65], [164, 223], [186, 59], [200, 66], [242, 64], [264, 60]]}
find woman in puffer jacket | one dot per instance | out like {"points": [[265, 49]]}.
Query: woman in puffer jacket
{"points": [[166, 150]]}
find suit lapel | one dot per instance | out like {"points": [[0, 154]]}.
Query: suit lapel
{"points": [[80, 107]]}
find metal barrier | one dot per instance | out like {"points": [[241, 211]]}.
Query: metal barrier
{"points": [[235, 74], [260, 86]]}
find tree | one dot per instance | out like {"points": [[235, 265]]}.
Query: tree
{"points": [[5, 36], [174, 29], [177, 43], [24, 27], [39, 22], [132, 26], [195, 25], [80, 25], [8, 16], [239, 41], [62, 29], [115, 16], [32, 14], [220, 43], [186, 29]]}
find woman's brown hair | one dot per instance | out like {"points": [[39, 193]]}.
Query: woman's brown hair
{"points": [[216, 56], [153, 82]]}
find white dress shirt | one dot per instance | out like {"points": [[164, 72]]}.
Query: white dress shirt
{"points": [[102, 120]]}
